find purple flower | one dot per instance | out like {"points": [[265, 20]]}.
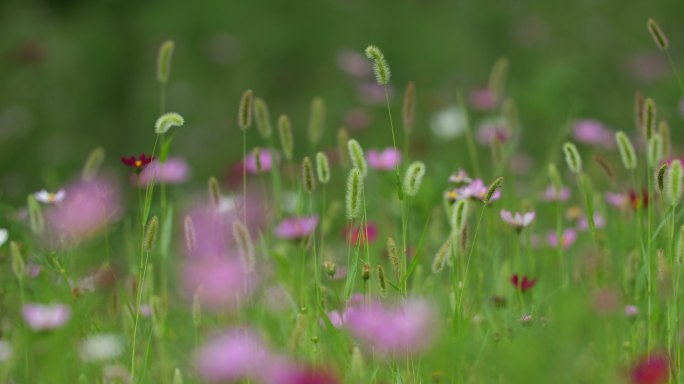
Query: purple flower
{"points": [[568, 238], [631, 311], [583, 223], [296, 227], [89, 206], [395, 331], [594, 133], [483, 99], [551, 195], [267, 157], [234, 355], [44, 317], [519, 220], [218, 283], [386, 160], [173, 171]]}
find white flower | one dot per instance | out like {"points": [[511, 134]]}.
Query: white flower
{"points": [[227, 204], [4, 235], [99, 348], [46, 197], [448, 123]]}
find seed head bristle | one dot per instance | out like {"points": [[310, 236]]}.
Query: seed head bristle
{"points": [[353, 195], [380, 67], [441, 257], [496, 184], [308, 180], [572, 157], [414, 178], [459, 216], [166, 121], [322, 168], [660, 177], [245, 110], [393, 254], [164, 61], [382, 283], [151, 233], [655, 149], [285, 133], [245, 246], [214, 192], [650, 115], [190, 236], [357, 157], [659, 37], [261, 116], [673, 183], [627, 153]]}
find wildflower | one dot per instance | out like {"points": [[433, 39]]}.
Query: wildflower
{"points": [[523, 283], [651, 369], [449, 123], [636, 200], [218, 283], [631, 311], [4, 235], [593, 132], [46, 197], [139, 163], [460, 177], [393, 330], [583, 223], [568, 238], [264, 163], [302, 375], [43, 317], [236, 354], [617, 200], [385, 160], [100, 348], [483, 99], [474, 190], [491, 130], [355, 236], [519, 221], [550, 194], [296, 227], [173, 171]]}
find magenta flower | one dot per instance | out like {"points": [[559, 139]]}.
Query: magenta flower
{"points": [[218, 283], [652, 369], [483, 99], [568, 238], [395, 331], [551, 195], [89, 206], [594, 133], [522, 283], [385, 160], [519, 220], [44, 317], [173, 171], [296, 227], [237, 354], [355, 234], [268, 159], [583, 223]]}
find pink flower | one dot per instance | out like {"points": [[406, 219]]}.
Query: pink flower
{"points": [[396, 331], [475, 190], [491, 129], [460, 177], [482, 99], [518, 220], [173, 171], [218, 283], [551, 195], [594, 133], [296, 227], [583, 223], [355, 234], [652, 369], [568, 238], [89, 206], [631, 311], [386, 160], [617, 200], [237, 354], [44, 317], [267, 157]]}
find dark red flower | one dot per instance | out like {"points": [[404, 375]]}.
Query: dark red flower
{"points": [[354, 234], [523, 284], [654, 369], [137, 163], [635, 200]]}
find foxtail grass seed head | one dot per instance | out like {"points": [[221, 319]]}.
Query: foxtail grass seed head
{"points": [[655, 149], [658, 36], [660, 177], [177, 377], [497, 78], [650, 115], [36, 219], [166, 121], [342, 140], [93, 164], [17, 261], [680, 246], [151, 233], [393, 254], [459, 216], [605, 166], [627, 154], [664, 130], [441, 257], [164, 61], [353, 195], [555, 178], [409, 108], [316, 120], [496, 184], [190, 235], [572, 157], [382, 283], [214, 192], [285, 133], [256, 152], [245, 246], [414, 178], [308, 179], [380, 67], [263, 122], [322, 168], [357, 364], [330, 268], [464, 239], [245, 110], [639, 110], [357, 157], [673, 183]]}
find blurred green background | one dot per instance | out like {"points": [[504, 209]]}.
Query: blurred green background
{"points": [[76, 74]]}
